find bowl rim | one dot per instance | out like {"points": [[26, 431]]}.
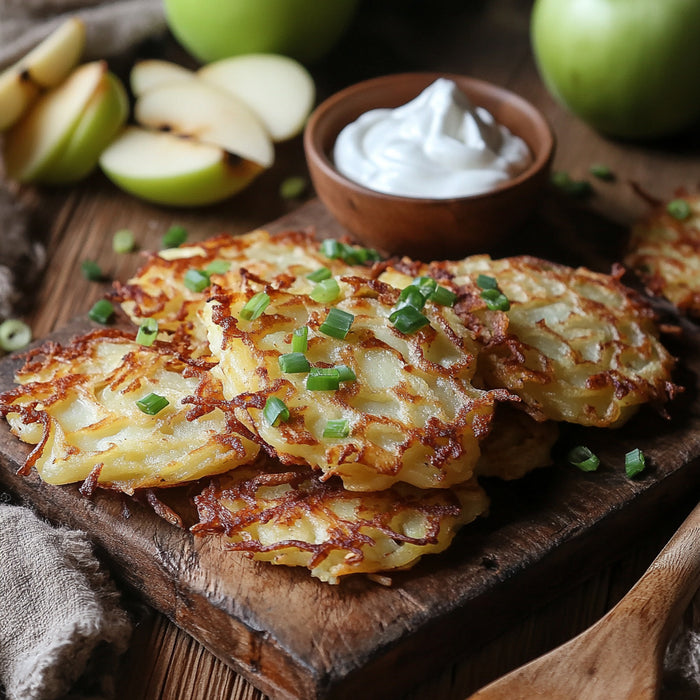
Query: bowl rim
{"points": [[322, 160]]}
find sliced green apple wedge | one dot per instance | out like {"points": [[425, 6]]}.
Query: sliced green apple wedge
{"points": [[153, 72], [278, 89], [103, 117], [169, 169], [45, 66], [201, 111], [35, 140]]}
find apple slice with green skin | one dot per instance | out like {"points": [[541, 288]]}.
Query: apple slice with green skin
{"points": [[168, 169], [154, 72], [278, 89], [36, 139], [99, 123], [45, 66], [196, 109]]}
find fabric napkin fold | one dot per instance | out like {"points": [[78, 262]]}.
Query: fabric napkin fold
{"points": [[61, 623]]}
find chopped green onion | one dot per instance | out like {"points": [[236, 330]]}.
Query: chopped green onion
{"points": [[325, 291], [331, 248], [337, 429], [368, 255], [678, 209], [91, 270], [411, 296], [175, 236], [300, 339], [102, 311], [323, 273], [495, 300], [255, 306], [443, 296], [293, 187], [345, 374], [427, 285], [14, 335], [152, 404], [575, 188], [634, 462], [218, 267], [275, 411], [323, 379], [337, 323], [583, 458], [602, 172], [486, 282], [408, 319], [123, 241], [293, 363], [148, 332], [196, 280]]}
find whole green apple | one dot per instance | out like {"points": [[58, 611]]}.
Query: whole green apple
{"points": [[629, 68], [215, 29]]}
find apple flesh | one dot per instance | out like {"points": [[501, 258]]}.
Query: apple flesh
{"points": [[45, 66], [194, 109], [34, 141], [169, 169], [99, 123], [278, 89], [152, 73], [629, 68], [215, 29]]}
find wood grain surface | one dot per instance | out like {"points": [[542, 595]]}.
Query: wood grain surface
{"points": [[288, 634]]}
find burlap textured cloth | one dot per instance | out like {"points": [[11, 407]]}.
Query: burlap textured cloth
{"points": [[60, 614]]}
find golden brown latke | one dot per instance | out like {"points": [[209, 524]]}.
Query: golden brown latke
{"points": [[286, 515], [575, 345], [665, 253]]}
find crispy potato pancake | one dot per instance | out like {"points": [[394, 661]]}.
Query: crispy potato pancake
{"points": [[575, 345], [78, 405], [158, 289], [286, 515], [665, 253], [413, 414]]}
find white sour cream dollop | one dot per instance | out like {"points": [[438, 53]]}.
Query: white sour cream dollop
{"points": [[437, 146]]}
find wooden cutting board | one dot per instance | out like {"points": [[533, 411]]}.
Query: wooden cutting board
{"points": [[294, 637]]}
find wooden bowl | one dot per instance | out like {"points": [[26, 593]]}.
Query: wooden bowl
{"points": [[427, 228]]}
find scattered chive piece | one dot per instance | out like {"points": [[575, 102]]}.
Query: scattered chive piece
{"points": [[218, 267], [175, 236], [347, 253], [337, 429], [300, 339], [678, 209], [152, 404], [14, 335], [148, 331], [345, 374], [408, 319], [325, 291], [91, 270], [575, 188], [255, 306], [293, 363], [486, 282], [323, 379], [293, 187], [323, 273], [411, 296], [602, 172], [497, 301], [102, 311], [337, 323], [443, 296], [331, 248], [634, 462], [426, 285], [275, 411], [196, 280], [123, 241], [583, 458]]}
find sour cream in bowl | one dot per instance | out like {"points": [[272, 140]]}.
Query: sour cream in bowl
{"points": [[428, 165]]}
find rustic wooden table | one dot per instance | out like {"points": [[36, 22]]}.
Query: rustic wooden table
{"points": [[488, 40]]}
